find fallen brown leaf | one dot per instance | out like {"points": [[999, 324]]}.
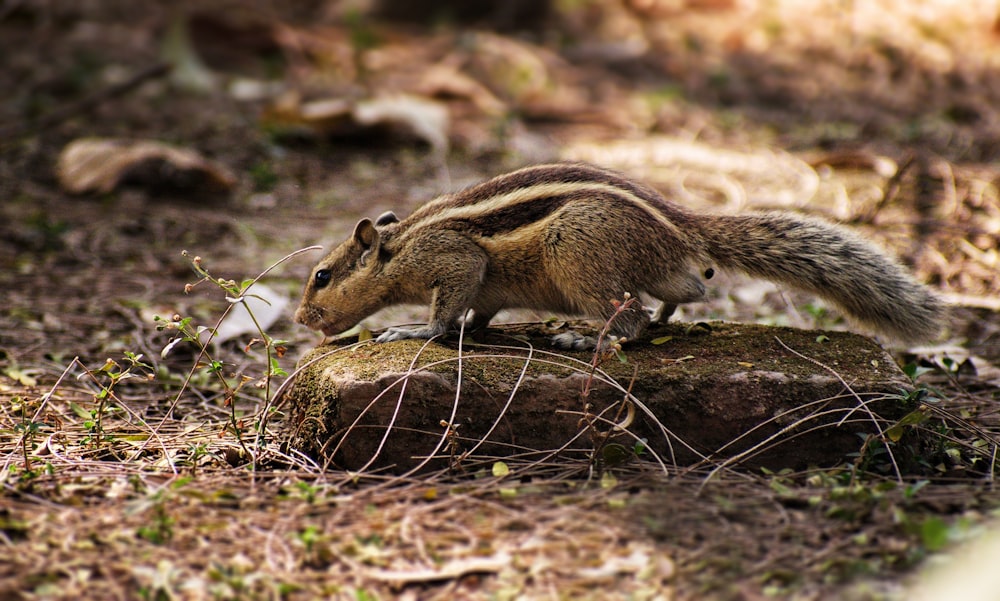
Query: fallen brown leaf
{"points": [[102, 164]]}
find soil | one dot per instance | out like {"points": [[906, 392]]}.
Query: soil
{"points": [[136, 465]]}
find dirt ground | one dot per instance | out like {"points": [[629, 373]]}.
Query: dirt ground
{"points": [[134, 466]]}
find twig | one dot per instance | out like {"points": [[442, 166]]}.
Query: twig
{"points": [[510, 399], [892, 188], [446, 571], [623, 407], [85, 104]]}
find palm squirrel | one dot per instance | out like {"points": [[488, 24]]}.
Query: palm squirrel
{"points": [[571, 237]]}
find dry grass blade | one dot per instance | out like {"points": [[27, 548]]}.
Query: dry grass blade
{"points": [[861, 404]]}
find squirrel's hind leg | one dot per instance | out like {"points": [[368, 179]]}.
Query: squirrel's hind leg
{"points": [[629, 325], [678, 289]]}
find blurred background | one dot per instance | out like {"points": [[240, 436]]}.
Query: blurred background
{"points": [[244, 130]]}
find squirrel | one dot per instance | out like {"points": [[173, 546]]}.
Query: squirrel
{"points": [[570, 237]]}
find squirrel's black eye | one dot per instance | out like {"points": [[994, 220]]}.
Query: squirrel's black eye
{"points": [[322, 278]]}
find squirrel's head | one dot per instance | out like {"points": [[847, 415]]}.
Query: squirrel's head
{"points": [[344, 287]]}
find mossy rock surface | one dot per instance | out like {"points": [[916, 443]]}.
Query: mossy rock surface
{"points": [[792, 397]]}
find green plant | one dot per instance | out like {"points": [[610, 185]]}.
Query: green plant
{"points": [[236, 293], [196, 453], [160, 529], [107, 378], [309, 536], [28, 428], [49, 231], [602, 455], [263, 176]]}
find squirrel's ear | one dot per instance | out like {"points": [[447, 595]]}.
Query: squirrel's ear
{"points": [[365, 233], [386, 218]]}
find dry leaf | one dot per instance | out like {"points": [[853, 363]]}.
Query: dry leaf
{"points": [[427, 120], [857, 159], [101, 164], [446, 81], [266, 304], [669, 361], [535, 79]]}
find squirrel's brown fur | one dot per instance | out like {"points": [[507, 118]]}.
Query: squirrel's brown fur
{"points": [[569, 238]]}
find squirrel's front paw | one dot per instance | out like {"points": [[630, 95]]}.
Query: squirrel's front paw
{"points": [[393, 334]]}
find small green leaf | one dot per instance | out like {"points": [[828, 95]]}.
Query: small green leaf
{"points": [[780, 488], [914, 371], [20, 376], [363, 595], [894, 433], [934, 533], [180, 482], [79, 411], [911, 491], [500, 469], [661, 340], [913, 418]]}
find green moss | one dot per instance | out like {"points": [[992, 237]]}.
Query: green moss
{"points": [[721, 349], [708, 384]]}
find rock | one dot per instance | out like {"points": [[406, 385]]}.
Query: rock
{"points": [[712, 392]]}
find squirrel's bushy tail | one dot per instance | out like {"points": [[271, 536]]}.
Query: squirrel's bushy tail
{"points": [[831, 262]]}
